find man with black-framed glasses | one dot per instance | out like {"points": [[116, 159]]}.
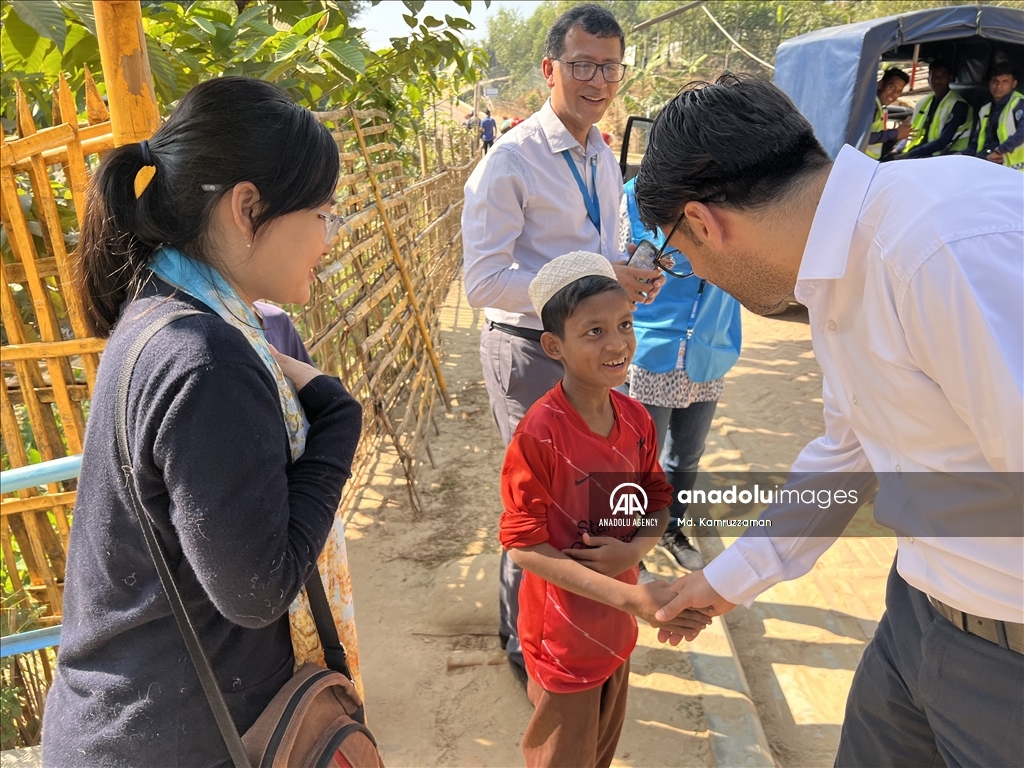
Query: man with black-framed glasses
{"points": [[547, 187], [912, 277]]}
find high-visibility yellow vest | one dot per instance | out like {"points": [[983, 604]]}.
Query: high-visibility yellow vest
{"points": [[963, 134], [1006, 128], [875, 150]]}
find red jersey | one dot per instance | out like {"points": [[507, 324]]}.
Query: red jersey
{"points": [[571, 643]]}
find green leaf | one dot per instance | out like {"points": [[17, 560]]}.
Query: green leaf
{"points": [[259, 25], [414, 6], [164, 76], [430, 21], [410, 20], [84, 11], [348, 54], [45, 17], [256, 12], [457, 23], [467, 4], [304, 26], [20, 38], [205, 24], [288, 46]]}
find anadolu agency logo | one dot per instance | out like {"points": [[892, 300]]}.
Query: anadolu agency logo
{"points": [[628, 505]]}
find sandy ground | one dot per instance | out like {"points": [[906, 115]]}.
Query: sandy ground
{"points": [[426, 596]]}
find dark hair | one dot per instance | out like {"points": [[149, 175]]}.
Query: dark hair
{"points": [[488, 112], [892, 72], [592, 19], [738, 142], [560, 307], [941, 64], [223, 132], [1003, 68]]}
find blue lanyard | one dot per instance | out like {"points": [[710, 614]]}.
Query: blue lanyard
{"points": [[593, 206], [693, 314]]}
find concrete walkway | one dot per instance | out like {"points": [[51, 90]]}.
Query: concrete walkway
{"points": [[800, 642]]}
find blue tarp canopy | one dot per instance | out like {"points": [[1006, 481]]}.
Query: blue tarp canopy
{"points": [[831, 73]]}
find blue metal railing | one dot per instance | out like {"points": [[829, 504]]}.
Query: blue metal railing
{"points": [[19, 479]]}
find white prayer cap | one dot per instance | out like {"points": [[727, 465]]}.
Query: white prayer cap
{"points": [[559, 272]]}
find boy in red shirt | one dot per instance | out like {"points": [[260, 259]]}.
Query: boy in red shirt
{"points": [[571, 451]]}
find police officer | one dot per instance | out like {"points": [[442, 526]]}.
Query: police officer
{"points": [[893, 81], [999, 133], [942, 119]]}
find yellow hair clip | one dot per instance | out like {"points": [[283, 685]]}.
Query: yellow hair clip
{"points": [[146, 172], [142, 179]]}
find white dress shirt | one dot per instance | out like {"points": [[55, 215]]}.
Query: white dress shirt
{"points": [[913, 277], [523, 208]]}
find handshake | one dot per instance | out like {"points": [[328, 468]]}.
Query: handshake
{"points": [[679, 611]]}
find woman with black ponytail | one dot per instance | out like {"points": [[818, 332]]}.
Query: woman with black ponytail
{"points": [[239, 453]]}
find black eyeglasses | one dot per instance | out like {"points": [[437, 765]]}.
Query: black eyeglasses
{"points": [[665, 256], [586, 70]]}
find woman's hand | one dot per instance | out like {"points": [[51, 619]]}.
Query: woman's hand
{"points": [[298, 372]]}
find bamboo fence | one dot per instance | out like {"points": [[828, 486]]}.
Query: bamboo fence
{"points": [[372, 319]]}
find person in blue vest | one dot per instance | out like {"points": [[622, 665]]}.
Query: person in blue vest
{"points": [[686, 341]]}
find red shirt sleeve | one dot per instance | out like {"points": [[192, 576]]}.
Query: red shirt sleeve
{"points": [[525, 492], [659, 491]]}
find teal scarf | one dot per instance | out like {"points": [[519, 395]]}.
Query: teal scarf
{"points": [[203, 282]]}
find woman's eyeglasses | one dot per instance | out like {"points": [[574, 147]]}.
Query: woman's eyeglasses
{"points": [[334, 223]]}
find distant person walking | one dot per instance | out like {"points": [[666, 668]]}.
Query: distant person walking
{"points": [[551, 186], [912, 277], [487, 130]]}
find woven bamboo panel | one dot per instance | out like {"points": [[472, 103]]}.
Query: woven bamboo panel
{"points": [[48, 362], [374, 313]]}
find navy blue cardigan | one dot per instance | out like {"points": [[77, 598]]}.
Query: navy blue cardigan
{"points": [[242, 526]]}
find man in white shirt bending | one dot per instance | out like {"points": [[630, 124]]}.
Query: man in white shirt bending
{"points": [[548, 187], [913, 276]]}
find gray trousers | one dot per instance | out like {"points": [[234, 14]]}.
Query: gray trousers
{"points": [[516, 374], [928, 694]]}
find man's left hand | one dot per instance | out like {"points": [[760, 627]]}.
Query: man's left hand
{"points": [[605, 554], [994, 157]]}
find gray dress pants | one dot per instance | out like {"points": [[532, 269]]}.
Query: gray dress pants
{"points": [[929, 694], [516, 374]]}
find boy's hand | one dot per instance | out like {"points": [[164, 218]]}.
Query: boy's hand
{"points": [[606, 554], [648, 600]]}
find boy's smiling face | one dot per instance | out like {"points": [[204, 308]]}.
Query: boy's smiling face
{"points": [[598, 342]]}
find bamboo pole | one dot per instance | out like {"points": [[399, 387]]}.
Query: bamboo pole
{"points": [[400, 263], [130, 95]]}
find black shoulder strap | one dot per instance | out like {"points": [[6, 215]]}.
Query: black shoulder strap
{"points": [[334, 651], [195, 649]]}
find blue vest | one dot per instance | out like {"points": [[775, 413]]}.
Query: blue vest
{"points": [[661, 325]]}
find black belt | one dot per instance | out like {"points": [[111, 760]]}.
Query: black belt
{"points": [[514, 330], [1002, 633]]}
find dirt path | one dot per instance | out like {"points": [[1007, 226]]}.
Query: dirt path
{"points": [[426, 593], [800, 641]]}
